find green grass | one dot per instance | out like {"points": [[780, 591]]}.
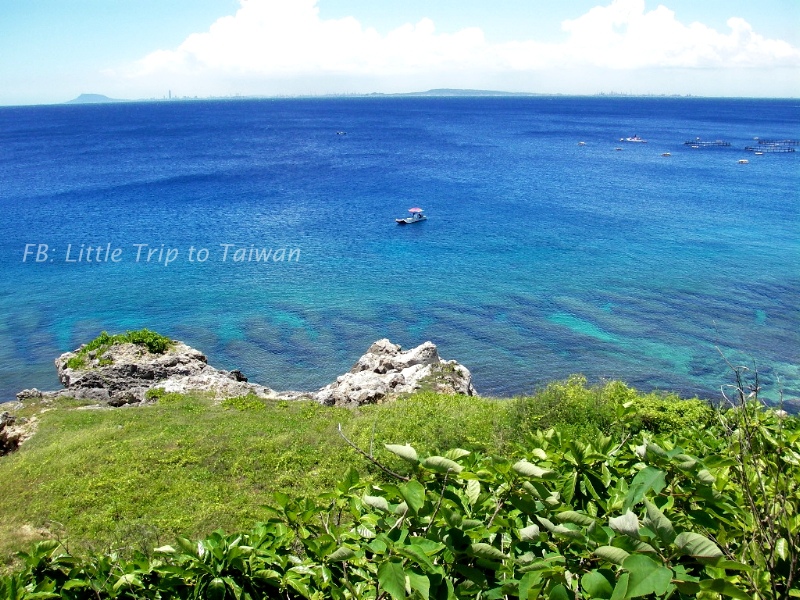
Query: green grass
{"points": [[126, 479]]}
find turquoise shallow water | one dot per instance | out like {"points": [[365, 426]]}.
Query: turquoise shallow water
{"points": [[540, 258]]}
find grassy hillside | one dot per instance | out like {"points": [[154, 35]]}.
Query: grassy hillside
{"points": [[575, 492], [134, 478]]}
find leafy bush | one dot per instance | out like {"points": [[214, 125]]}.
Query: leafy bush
{"points": [[154, 342], [573, 405], [77, 362], [668, 413], [611, 407]]}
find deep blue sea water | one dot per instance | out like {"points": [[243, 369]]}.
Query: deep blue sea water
{"points": [[540, 258]]}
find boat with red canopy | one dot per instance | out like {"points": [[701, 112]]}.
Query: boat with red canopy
{"points": [[417, 216]]}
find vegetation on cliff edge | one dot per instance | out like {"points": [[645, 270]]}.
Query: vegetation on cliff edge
{"points": [[587, 492], [154, 342]]}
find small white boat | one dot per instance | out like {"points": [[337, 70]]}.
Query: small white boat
{"points": [[416, 217], [743, 161], [666, 154], [581, 143], [635, 138]]}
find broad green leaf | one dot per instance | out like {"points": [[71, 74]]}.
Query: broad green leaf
{"points": [[722, 563], [696, 545], [473, 490], [413, 493], [470, 524], [782, 548], [281, 499], [621, 589], [527, 469], [656, 449], [567, 532], [647, 480], [659, 522], [165, 550], [341, 554], [419, 582], [559, 592], [216, 590], [377, 502], [440, 464], [350, 480], [418, 555], [526, 583], [689, 588], [571, 516], [596, 585], [392, 579], [405, 452], [187, 546], [646, 576], [456, 453], [684, 461], [539, 453], [611, 554], [705, 477], [724, 587], [546, 523], [487, 551], [627, 524], [529, 533], [365, 531]]}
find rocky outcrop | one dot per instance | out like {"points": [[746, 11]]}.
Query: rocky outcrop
{"points": [[9, 438], [385, 370], [123, 373]]}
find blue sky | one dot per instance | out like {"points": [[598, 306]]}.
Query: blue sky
{"points": [[54, 50]]}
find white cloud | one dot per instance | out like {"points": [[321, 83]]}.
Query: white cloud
{"points": [[287, 39]]}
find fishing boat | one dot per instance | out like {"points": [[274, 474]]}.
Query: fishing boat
{"points": [[635, 138], [416, 217]]}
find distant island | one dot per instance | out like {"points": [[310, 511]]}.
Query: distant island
{"points": [[92, 99], [457, 92]]}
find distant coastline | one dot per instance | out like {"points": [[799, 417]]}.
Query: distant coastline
{"points": [[432, 93]]}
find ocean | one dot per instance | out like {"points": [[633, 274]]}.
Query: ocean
{"points": [[262, 232]]}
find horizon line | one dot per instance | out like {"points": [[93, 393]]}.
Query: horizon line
{"points": [[432, 93]]}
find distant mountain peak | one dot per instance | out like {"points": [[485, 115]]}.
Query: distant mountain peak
{"points": [[92, 99]]}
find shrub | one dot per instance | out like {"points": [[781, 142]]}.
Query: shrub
{"points": [[573, 406], [154, 342], [611, 407], [663, 414]]}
